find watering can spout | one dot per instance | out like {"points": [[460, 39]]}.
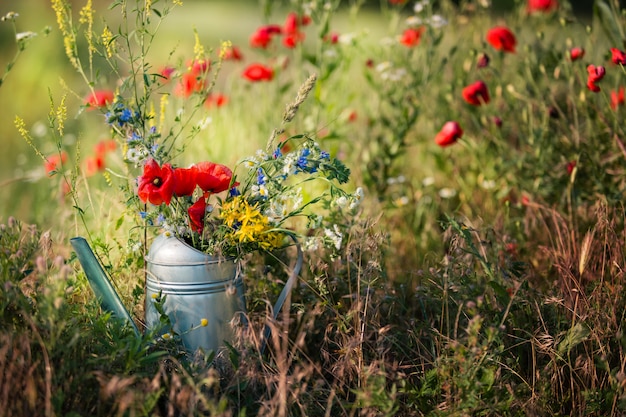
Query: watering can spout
{"points": [[100, 283]]}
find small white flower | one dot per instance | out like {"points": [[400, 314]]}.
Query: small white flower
{"points": [[447, 192], [342, 201], [437, 21], [297, 199], [311, 244], [402, 201], [357, 198], [399, 74], [428, 181], [260, 190], [346, 38], [414, 21], [136, 155], [23, 36], [204, 123], [10, 16], [383, 66], [331, 53], [250, 163], [335, 236], [488, 184], [289, 167], [262, 155]]}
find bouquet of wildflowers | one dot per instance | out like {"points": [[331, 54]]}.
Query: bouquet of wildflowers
{"points": [[283, 191], [206, 205]]}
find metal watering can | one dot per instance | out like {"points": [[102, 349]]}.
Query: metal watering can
{"points": [[204, 295]]}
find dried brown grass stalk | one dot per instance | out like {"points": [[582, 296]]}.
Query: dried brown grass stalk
{"points": [[585, 259]]}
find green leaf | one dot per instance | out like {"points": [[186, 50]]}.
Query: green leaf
{"points": [[575, 335], [119, 222]]}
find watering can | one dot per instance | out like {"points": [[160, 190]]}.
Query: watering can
{"points": [[202, 295]]}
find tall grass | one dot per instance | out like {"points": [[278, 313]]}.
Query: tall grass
{"points": [[483, 278]]}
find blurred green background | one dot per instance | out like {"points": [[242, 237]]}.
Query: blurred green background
{"points": [[39, 73]]}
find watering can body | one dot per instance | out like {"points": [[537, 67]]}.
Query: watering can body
{"points": [[202, 295]]}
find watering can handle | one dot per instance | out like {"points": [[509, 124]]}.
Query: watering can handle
{"points": [[284, 293]]}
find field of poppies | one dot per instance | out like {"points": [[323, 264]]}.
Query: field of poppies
{"points": [[454, 173]]}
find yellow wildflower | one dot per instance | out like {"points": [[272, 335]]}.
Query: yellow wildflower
{"points": [[198, 48], [108, 41], [61, 115]]}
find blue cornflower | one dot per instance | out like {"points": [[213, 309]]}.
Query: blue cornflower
{"points": [[302, 162], [125, 116], [324, 155], [277, 153], [234, 192], [134, 137], [143, 214], [260, 177], [160, 218]]}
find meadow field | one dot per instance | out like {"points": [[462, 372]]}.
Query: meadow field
{"points": [[464, 238]]}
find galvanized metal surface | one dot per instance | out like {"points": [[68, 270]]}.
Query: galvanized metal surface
{"points": [[196, 286]]}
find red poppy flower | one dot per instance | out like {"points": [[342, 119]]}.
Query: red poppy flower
{"points": [[449, 134], [258, 72], [332, 38], [411, 36], [199, 66], [99, 98], [476, 94], [166, 73], [105, 146], [290, 40], [570, 167], [184, 181], [291, 23], [595, 74], [196, 212], [215, 99], [483, 61], [212, 177], [618, 57], [156, 185], [617, 98], [231, 53], [189, 83], [576, 53], [94, 164], [263, 36], [502, 39], [541, 5], [53, 161]]}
